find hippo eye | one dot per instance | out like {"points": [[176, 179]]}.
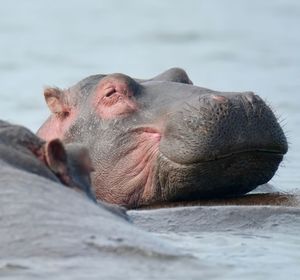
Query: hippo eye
{"points": [[110, 92]]}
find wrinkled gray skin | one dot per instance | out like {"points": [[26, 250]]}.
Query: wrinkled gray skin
{"points": [[49, 231], [165, 139]]}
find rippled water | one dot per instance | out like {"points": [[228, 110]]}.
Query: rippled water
{"points": [[223, 45], [252, 255]]}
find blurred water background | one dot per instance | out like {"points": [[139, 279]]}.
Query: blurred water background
{"points": [[232, 45]]}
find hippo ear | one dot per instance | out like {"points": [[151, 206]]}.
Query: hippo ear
{"points": [[54, 99], [56, 157], [175, 74]]}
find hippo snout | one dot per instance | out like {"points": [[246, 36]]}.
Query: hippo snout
{"points": [[218, 126], [223, 144]]}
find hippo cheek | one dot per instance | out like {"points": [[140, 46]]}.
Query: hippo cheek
{"points": [[128, 177]]}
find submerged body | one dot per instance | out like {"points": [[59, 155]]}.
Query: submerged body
{"points": [[165, 139]]}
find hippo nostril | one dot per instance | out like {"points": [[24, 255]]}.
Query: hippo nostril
{"points": [[219, 98]]}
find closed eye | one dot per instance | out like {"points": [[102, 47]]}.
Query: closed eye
{"points": [[110, 92]]}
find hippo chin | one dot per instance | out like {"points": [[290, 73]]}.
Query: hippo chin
{"points": [[165, 139]]}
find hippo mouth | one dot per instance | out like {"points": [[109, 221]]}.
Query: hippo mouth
{"points": [[267, 152], [154, 133], [225, 175]]}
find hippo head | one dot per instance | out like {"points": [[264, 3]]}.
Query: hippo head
{"points": [[164, 139], [69, 164]]}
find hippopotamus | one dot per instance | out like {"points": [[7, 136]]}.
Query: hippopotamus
{"points": [[165, 139], [48, 230], [70, 165]]}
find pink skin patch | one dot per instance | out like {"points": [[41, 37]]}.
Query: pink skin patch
{"points": [[130, 181], [114, 99], [57, 125]]}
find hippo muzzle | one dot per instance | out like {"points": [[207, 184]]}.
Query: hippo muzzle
{"points": [[225, 144]]}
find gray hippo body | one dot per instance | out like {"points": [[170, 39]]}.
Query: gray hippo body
{"points": [[70, 165], [50, 231], [164, 139]]}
